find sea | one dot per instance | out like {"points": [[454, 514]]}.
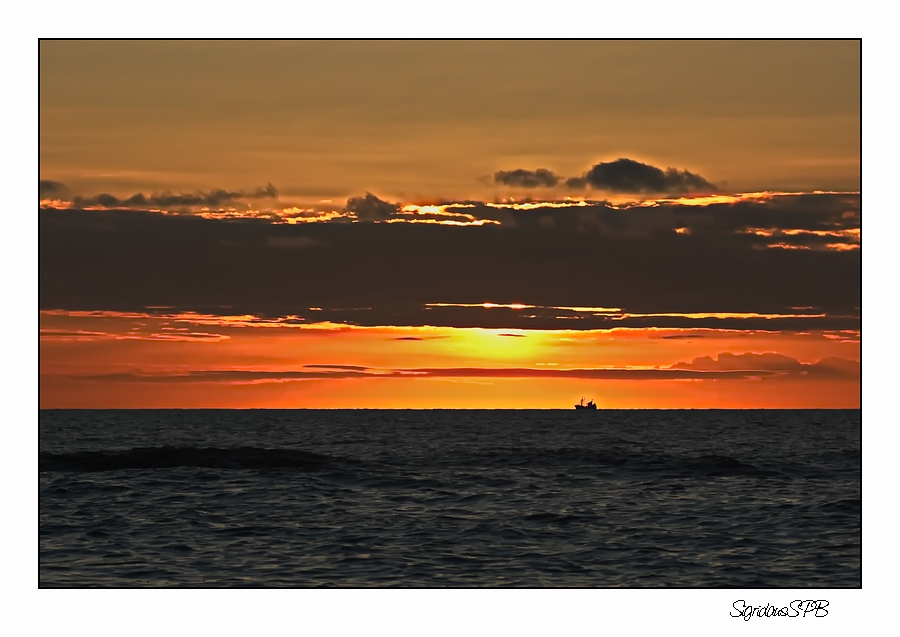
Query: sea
{"points": [[450, 498]]}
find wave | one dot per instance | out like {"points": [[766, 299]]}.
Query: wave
{"points": [[169, 457], [562, 460], [846, 505], [619, 459], [712, 466]]}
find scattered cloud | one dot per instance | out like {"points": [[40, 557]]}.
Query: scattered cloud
{"points": [[746, 361], [216, 197], [834, 366], [630, 176], [540, 178], [620, 176], [371, 208], [51, 189], [771, 362]]}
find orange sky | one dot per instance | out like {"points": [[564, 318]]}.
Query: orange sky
{"points": [[190, 360], [590, 183], [423, 120]]}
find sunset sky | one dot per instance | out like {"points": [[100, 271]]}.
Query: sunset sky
{"points": [[454, 224]]}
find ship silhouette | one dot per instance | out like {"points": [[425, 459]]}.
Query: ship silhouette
{"points": [[590, 405]]}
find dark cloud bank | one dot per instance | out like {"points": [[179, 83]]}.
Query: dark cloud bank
{"points": [[385, 274]]}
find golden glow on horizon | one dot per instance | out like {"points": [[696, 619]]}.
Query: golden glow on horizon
{"points": [[437, 209], [712, 199], [401, 366], [444, 222], [308, 215], [854, 234], [511, 306], [599, 310], [828, 246], [535, 205], [787, 246]]}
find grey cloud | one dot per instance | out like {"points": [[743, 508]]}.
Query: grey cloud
{"points": [[771, 362], [214, 197], [371, 208], [630, 176], [540, 178], [833, 366], [47, 188], [748, 361]]}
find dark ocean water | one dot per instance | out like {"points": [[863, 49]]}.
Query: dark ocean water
{"points": [[450, 498]]}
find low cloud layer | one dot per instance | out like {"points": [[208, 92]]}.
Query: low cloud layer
{"points": [[215, 197], [527, 178], [764, 366]]}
